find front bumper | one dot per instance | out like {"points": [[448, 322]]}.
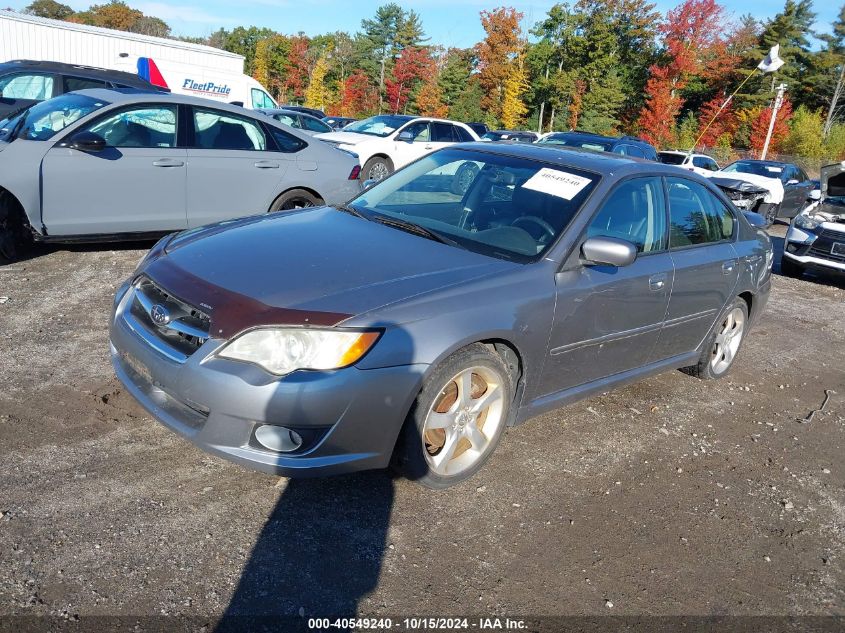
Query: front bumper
{"points": [[814, 248], [350, 417]]}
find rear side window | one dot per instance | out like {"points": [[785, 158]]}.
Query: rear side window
{"points": [[286, 119], [441, 133], [214, 129], [419, 131], [696, 215], [313, 125], [636, 212], [463, 135], [702, 162], [69, 84], [27, 86], [287, 143], [140, 126]]}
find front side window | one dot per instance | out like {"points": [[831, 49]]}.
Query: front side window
{"points": [[636, 212], [27, 86], [420, 132], [696, 215], [44, 120], [140, 126], [502, 206], [214, 129], [261, 99], [286, 119]]}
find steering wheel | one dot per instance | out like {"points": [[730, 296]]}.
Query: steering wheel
{"points": [[547, 228]]}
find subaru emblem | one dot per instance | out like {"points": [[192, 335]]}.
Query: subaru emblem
{"points": [[159, 314]]}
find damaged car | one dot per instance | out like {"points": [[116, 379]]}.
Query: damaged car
{"points": [[816, 236], [771, 188]]}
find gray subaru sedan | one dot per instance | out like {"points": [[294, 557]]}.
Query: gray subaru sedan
{"points": [[477, 288]]}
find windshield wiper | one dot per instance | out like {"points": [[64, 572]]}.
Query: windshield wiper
{"points": [[416, 229], [350, 210]]}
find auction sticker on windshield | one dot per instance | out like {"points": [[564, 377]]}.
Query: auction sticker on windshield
{"points": [[557, 183]]}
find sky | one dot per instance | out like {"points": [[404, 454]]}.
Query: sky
{"points": [[446, 22]]}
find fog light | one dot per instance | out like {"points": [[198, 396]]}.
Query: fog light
{"points": [[278, 438]]}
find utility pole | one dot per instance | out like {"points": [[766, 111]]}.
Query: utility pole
{"points": [[775, 108]]}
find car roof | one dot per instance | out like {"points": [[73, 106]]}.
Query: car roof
{"points": [[88, 72], [287, 111], [773, 163], [131, 95]]}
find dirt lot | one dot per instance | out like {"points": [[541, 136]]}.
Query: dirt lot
{"points": [[669, 497]]}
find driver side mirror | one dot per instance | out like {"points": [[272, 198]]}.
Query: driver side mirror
{"points": [[792, 181], [608, 251], [405, 136], [815, 194], [87, 142]]}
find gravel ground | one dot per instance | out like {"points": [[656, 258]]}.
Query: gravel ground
{"points": [[672, 496]]}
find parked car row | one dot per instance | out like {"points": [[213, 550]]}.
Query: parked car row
{"points": [[108, 164]]}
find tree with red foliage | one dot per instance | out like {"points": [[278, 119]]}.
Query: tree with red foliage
{"points": [[298, 68], [760, 127], [692, 35], [495, 53], [359, 95], [725, 123], [412, 66]]}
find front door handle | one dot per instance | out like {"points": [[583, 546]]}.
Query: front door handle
{"points": [[168, 162], [657, 282], [728, 267], [429, 147], [267, 164]]}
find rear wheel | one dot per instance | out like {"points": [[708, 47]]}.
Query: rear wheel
{"points": [[377, 168], [788, 268], [458, 418], [295, 199], [723, 344]]}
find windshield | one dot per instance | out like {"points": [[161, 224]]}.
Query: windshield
{"points": [[671, 158], [503, 206], [46, 119], [575, 140], [11, 120], [382, 126], [758, 169]]}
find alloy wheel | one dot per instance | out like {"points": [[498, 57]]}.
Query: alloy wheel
{"points": [[378, 172], [728, 340], [463, 420]]}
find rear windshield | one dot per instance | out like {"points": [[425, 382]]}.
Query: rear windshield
{"points": [[576, 140], [671, 158]]}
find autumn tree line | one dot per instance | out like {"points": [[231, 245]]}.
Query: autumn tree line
{"points": [[607, 66]]}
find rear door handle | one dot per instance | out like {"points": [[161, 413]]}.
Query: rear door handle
{"points": [[657, 282], [267, 164], [728, 267], [168, 162]]}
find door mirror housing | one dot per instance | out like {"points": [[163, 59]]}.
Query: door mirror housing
{"points": [[792, 181], [405, 136], [368, 183], [815, 194], [755, 219], [608, 251], [87, 142]]}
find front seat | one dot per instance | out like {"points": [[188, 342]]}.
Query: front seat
{"points": [[232, 136]]}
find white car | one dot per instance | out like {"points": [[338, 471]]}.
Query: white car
{"points": [[699, 163], [386, 142]]}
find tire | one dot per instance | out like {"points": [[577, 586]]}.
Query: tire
{"points": [[769, 212], [295, 199], [466, 436], [720, 351], [15, 238], [377, 168], [789, 268]]}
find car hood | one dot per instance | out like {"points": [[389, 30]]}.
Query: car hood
{"points": [[833, 180], [773, 186], [346, 138], [319, 267]]}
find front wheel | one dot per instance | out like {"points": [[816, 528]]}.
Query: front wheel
{"points": [[457, 419], [15, 237], [724, 342], [295, 199], [377, 168]]}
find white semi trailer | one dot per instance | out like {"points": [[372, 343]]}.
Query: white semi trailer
{"points": [[183, 67]]}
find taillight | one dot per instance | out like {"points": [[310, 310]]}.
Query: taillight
{"points": [[356, 171]]}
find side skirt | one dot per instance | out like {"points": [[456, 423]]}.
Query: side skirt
{"points": [[100, 237], [567, 396]]}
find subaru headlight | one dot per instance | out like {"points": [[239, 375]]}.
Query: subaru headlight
{"points": [[806, 222], [283, 350]]}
